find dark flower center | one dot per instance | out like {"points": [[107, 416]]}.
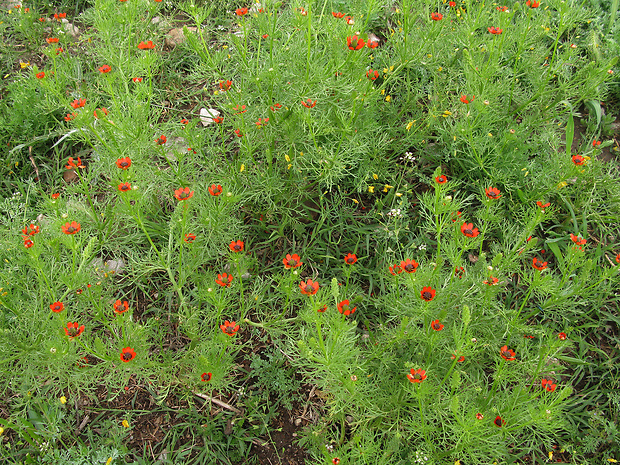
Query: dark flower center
{"points": [[409, 267], [468, 232], [345, 308], [72, 332], [427, 295], [237, 247], [309, 288], [124, 164], [350, 260], [498, 421], [292, 262], [230, 330], [71, 229], [436, 326], [127, 356]]}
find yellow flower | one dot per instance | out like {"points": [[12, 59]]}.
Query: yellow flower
{"points": [[289, 166], [375, 177], [355, 200], [109, 461], [371, 189], [63, 400], [382, 91], [215, 92], [409, 125], [24, 65], [125, 423], [562, 184], [287, 158], [386, 187], [1, 430], [385, 70], [398, 194], [388, 98], [242, 168]]}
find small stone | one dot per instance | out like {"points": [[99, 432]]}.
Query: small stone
{"points": [[297, 421], [176, 36]]}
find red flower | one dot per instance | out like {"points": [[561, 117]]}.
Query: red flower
{"points": [[499, 422], [541, 205], [71, 228], [136, 79], [121, 307], [308, 103], [218, 119], [124, 187], [239, 109], [456, 216], [427, 293], [507, 354], [372, 43], [578, 160], [55, 196], [183, 193], [469, 230], [265, 36], [184, 121], [495, 30], [189, 238], [104, 111], [236, 246], [146, 45], [40, 75], [229, 328], [461, 359], [532, 3], [409, 266], [59, 50], [70, 116], [562, 336], [372, 75], [595, 143], [452, 4], [225, 85], [261, 122], [292, 261], [28, 242], [502, 8], [57, 307], [123, 163], [618, 258], [127, 354], [276, 107], [205, 377], [417, 376], [337, 15], [78, 103], [322, 309], [350, 259], [538, 264], [458, 271], [349, 20], [491, 281], [577, 240], [548, 384], [479, 416], [441, 179], [59, 16], [241, 11], [344, 307], [436, 16], [105, 69], [396, 270], [215, 190], [436, 325], [466, 100], [238, 133], [309, 287], [224, 279], [31, 230], [52, 40], [493, 193], [336, 461], [72, 164], [73, 330], [161, 140], [355, 43]]}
